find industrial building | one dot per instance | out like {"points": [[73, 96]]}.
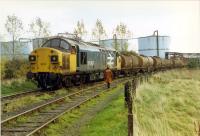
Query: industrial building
{"points": [[153, 45], [21, 48], [115, 43]]}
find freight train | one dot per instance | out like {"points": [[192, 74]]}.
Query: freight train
{"points": [[64, 61]]}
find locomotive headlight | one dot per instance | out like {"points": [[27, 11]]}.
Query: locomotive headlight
{"points": [[32, 58], [54, 59]]}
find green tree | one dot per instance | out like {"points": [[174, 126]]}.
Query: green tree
{"points": [[99, 32], [80, 30], [39, 28], [14, 27]]}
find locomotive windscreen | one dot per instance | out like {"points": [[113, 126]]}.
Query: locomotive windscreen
{"points": [[57, 43]]}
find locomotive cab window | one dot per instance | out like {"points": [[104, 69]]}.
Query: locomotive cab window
{"points": [[64, 45], [83, 58], [57, 44], [47, 44]]}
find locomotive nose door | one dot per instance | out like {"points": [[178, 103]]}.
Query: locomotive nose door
{"points": [[43, 60]]}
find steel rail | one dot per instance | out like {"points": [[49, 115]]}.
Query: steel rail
{"points": [[15, 95], [62, 113], [45, 104], [78, 100], [76, 103]]}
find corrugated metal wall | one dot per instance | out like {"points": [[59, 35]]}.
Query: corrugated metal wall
{"points": [[111, 43], [21, 49]]}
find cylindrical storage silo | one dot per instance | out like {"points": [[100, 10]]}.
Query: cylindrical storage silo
{"points": [[151, 46]]}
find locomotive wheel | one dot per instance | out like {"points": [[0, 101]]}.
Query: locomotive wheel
{"points": [[67, 82], [42, 82], [83, 79], [58, 84]]}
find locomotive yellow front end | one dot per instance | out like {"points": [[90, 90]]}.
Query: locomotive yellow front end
{"points": [[46, 60], [51, 62]]}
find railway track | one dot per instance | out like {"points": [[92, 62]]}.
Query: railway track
{"points": [[18, 95], [50, 111], [12, 115], [26, 93], [11, 99]]}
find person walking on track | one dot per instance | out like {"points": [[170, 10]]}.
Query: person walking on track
{"points": [[108, 75]]}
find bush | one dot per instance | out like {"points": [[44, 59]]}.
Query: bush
{"points": [[15, 68], [194, 63], [3, 62]]}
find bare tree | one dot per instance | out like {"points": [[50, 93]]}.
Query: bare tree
{"points": [[39, 28], [115, 43], [14, 27], [99, 31], [80, 30], [122, 32]]}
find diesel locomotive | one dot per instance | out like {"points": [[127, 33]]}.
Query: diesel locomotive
{"points": [[64, 61]]}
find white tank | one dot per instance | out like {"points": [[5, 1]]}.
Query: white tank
{"points": [[147, 46]]}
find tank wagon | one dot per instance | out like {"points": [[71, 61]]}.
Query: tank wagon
{"points": [[177, 63], [135, 63], [63, 61], [157, 64]]}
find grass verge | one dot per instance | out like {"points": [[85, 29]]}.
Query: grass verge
{"points": [[169, 104], [111, 121], [16, 85], [72, 123]]}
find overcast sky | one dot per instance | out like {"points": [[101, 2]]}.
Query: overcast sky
{"points": [[179, 19]]}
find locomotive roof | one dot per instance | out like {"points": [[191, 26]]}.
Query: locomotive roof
{"points": [[87, 46]]}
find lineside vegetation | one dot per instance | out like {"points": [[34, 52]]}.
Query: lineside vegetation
{"points": [[169, 104]]}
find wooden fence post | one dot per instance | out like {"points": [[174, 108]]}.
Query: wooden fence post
{"points": [[141, 79], [134, 86], [129, 102]]}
